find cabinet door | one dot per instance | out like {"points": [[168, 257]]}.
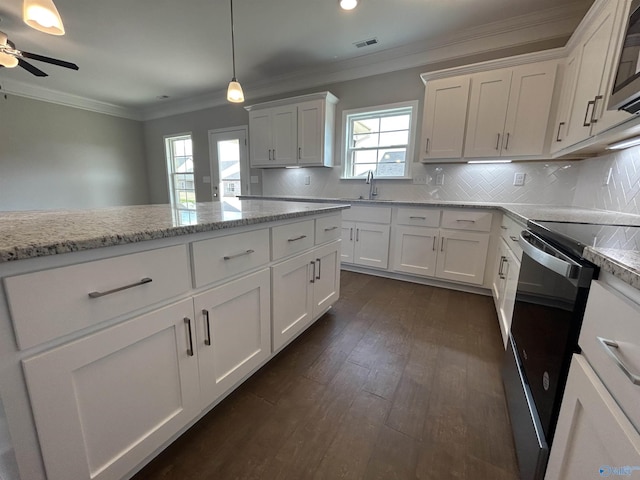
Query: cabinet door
{"points": [[529, 106], [260, 137], [234, 332], [594, 47], [487, 113], [348, 242], [593, 436], [444, 118], [326, 284], [311, 133], [372, 245], [462, 256], [510, 271], [415, 250], [104, 403], [284, 136], [292, 298], [498, 284], [564, 123]]}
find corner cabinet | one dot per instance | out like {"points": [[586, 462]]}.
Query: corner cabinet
{"points": [[365, 236], [296, 131]]}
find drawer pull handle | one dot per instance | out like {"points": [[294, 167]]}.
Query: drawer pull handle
{"points": [[313, 272], [442, 244], [513, 237], [503, 227], [434, 243], [465, 220], [330, 229], [612, 349], [319, 267], [351, 234], [190, 349], [205, 312], [119, 289], [558, 139], [241, 254], [296, 239], [418, 218]]}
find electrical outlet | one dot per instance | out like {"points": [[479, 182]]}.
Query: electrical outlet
{"points": [[255, 179], [307, 180], [440, 179], [607, 177], [518, 179], [420, 179]]}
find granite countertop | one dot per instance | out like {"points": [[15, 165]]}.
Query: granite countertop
{"points": [[623, 261], [29, 234]]}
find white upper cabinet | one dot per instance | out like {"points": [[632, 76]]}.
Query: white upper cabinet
{"points": [[293, 132], [444, 118]]}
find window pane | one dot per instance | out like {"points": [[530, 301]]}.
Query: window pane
{"points": [[365, 156], [366, 125], [394, 138], [187, 146], [361, 170], [400, 122], [178, 148], [183, 164], [366, 140], [392, 156]]}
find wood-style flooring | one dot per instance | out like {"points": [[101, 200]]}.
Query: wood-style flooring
{"points": [[397, 381]]}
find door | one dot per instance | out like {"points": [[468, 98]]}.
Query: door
{"points": [[511, 271], [415, 250], [234, 332], [311, 133], [105, 402], [487, 113], [371, 245], [229, 163], [326, 284], [284, 135], [444, 119], [462, 256], [348, 242], [260, 129]]}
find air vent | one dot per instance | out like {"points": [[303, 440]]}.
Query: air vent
{"points": [[366, 43]]}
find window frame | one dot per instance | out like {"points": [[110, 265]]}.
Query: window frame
{"points": [[371, 111], [171, 173]]}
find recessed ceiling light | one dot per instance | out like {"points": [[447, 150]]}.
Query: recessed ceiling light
{"points": [[348, 4]]}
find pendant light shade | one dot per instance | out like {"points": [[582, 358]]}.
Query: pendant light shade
{"points": [[43, 16], [234, 92]]}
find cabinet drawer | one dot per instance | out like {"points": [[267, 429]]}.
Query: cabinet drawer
{"points": [[48, 304], [367, 214], [510, 231], [292, 238], [475, 220], [328, 228], [613, 318], [419, 217], [223, 257]]}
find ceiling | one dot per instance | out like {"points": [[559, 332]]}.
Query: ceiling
{"points": [[131, 52]]}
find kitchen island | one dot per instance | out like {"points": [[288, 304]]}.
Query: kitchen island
{"points": [[121, 327]]}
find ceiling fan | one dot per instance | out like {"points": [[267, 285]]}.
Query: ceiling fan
{"points": [[11, 57]]}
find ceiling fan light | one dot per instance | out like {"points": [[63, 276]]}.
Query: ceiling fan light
{"points": [[234, 92], [43, 16], [8, 61], [348, 4]]}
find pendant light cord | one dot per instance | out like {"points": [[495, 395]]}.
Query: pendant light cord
{"points": [[233, 47]]}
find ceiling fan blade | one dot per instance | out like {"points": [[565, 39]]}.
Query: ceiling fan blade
{"points": [[31, 69], [53, 61]]}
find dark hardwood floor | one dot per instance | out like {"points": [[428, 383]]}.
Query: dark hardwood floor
{"points": [[397, 381]]}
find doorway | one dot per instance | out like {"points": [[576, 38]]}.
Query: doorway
{"points": [[229, 163]]}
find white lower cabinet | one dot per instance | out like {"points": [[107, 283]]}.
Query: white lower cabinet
{"points": [[303, 287], [593, 438], [504, 286], [462, 256], [105, 402], [416, 250], [365, 244], [233, 332]]}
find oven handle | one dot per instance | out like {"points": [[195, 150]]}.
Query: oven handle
{"points": [[567, 268]]}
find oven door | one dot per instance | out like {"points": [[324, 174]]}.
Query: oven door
{"points": [[550, 301]]}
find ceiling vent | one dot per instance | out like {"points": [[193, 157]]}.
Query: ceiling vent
{"points": [[366, 43]]}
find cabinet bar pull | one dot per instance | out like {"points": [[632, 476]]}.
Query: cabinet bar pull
{"points": [[274, 153], [506, 146], [434, 244], [513, 237], [426, 150], [558, 139], [205, 312], [612, 348], [465, 220], [119, 289], [269, 154], [299, 153], [351, 234], [313, 272], [586, 114], [296, 239], [502, 259], [319, 268], [595, 108], [241, 254], [330, 228], [498, 143], [190, 349], [503, 227], [418, 218], [357, 234], [442, 244]]}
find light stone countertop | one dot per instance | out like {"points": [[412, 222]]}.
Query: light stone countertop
{"points": [[29, 234]]}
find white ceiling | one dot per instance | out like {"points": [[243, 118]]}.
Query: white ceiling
{"points": [[132, 51]]}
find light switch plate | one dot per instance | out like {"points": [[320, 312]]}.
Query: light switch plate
{"points": [[440, 179], [206, 179], [307, 180], [254, 179], [518, 179], [420, 179]]}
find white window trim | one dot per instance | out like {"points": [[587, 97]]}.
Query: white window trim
{"points": [[168, 165], [410, 147]]}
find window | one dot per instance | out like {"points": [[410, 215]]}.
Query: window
{"points": [[379, 139], [182, 190]]}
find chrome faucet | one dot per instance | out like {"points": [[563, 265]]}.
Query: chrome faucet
{"points": [[373, 191]]}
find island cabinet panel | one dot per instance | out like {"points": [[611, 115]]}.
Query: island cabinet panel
{"points": [[50, 303], [233, 332], [103, 403]]}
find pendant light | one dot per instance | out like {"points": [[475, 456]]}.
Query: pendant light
{"points": [[234, 92], [43, 16]]}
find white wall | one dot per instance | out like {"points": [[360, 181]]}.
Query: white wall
{"points": [[52, 156]]}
